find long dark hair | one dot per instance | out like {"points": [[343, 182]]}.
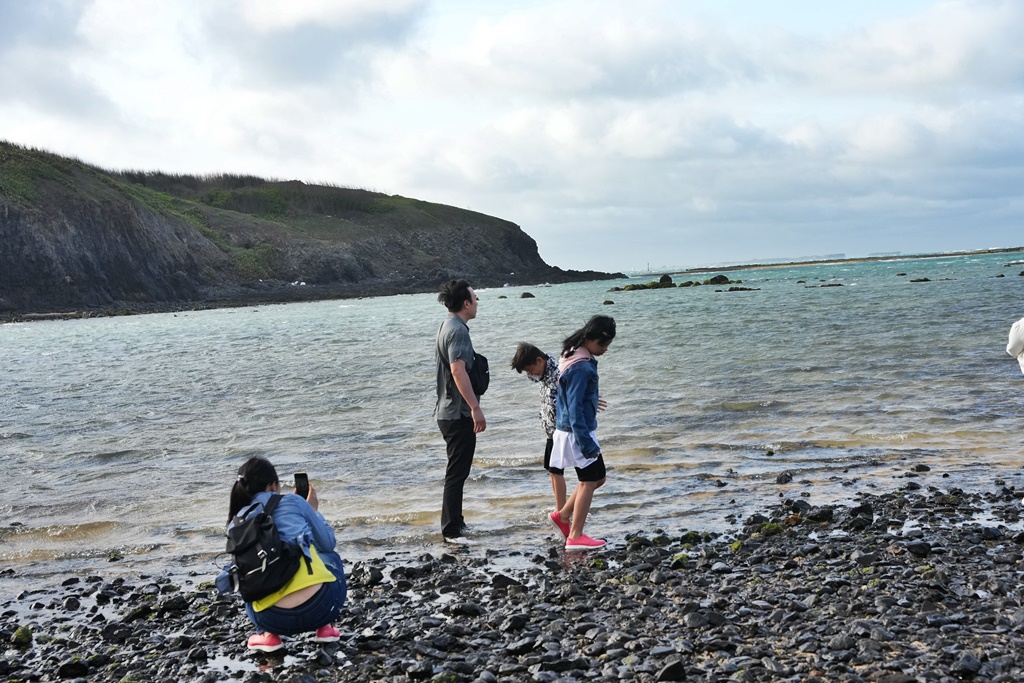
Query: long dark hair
{"points": [[600, 327], [253, 477]]}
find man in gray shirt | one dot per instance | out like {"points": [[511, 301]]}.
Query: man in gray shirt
{"points": [[458, 411]]}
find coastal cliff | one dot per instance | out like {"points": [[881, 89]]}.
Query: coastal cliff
{"points": [[78, 238]]}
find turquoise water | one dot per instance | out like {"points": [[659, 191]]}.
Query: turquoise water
{"points": [[124, 433]]}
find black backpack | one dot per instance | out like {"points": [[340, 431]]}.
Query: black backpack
{"points": [[479, 374], [262, 562]]}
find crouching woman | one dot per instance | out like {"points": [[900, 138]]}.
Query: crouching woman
{"points": [[310, 601]]}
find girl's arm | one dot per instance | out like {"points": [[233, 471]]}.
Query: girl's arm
{"points": [[576, 399], [321, 531]]}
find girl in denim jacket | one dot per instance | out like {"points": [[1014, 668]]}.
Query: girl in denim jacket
{"points": [[575, 438]]}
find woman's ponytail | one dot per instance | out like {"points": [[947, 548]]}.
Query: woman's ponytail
{"points": [[253, 477]]}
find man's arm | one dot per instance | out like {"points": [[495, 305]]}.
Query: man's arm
{"points": [[465, 388]]}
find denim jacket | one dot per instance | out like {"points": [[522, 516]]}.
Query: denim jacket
{"points": [[576, 405], [296, 520]]}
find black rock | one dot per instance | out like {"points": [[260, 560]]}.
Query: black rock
{"points": [[140, 612], [500, 581], [197, 654], [919, 548], [72, 668], [516, 622], [521, 647], [674, 671], [821, 514], [467, 609], [864, 559], [177, 603], [419, 670], [695, 620], [858, 523]]}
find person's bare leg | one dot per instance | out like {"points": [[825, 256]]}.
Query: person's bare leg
{"points": [[566, 511], [558, 487], [582, 497]]}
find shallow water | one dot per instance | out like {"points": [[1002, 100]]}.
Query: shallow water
{"points": [[123, 434]]}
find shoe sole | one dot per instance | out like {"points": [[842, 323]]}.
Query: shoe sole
{"points": [[266, 648], [555, 524], [327, 640], [579, 548], [453, 541]]}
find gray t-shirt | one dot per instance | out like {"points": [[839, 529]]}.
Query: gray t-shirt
{"points": [[453, 343]]}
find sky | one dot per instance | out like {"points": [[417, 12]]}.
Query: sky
{"points": [[620, 136]]}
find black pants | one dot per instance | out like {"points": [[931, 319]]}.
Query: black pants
{"points": [[460, 439]]}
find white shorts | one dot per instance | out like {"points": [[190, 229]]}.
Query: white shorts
{"points": [[566, 453]]}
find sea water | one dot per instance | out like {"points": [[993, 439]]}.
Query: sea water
{"points": [[120, 437]]}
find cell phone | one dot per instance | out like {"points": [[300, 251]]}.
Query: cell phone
{"points": [[302, 484]]}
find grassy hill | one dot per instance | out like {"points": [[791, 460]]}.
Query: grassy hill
{"points": [[76, 236]]}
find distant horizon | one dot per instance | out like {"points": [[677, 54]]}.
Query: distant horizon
{"points": [[816, 260]]}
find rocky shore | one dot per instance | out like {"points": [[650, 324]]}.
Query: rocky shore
{"points": [[272, 292], [918, 584]]}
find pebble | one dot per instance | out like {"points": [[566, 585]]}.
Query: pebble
{"points": [[799, 593]]}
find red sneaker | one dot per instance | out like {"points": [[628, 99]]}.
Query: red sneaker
{"points": [[556, 521], [327, 634], [265, 642], [583, 543]]}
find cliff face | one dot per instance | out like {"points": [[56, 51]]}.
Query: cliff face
{"points": [[76, 252], [73, 236]]}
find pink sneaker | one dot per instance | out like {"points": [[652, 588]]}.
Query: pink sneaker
{"points": [[327, 634], [265, 642], [556, 521], [584, 542]]}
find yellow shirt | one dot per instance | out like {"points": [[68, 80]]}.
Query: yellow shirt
{"points": [[302, 579]]}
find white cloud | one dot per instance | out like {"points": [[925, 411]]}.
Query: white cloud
{"points": [[951, 48], [568, 50], [715, 131], [274, 15]]}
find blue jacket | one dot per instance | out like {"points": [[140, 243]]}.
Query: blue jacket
{"points": [[576, 405], [296, 520]]}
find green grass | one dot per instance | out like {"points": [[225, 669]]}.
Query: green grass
{"points": [[279, 200], [248, 219], [22, 170], [255, 263]]}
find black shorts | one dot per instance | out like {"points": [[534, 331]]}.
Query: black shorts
{"points": [[547, 459], [595, 471]]}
